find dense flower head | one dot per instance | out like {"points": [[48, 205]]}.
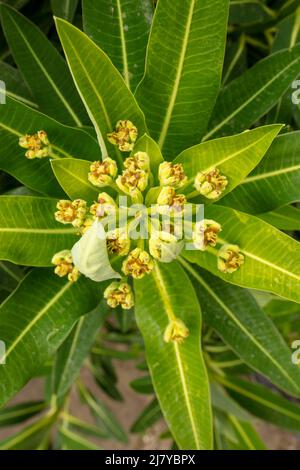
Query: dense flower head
{"points": [[64, 265], [168, 197], [206, 233], [165, 247], [230, 258], [119, 293], [37, 145], [138, 161], [176, 331], [210, 183], [137, 264], [103, 173], [104, 206], [71, 212], [118, 242], [124, 136], [132, 180], [170, 174]]}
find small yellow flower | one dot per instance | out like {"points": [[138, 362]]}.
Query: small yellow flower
{"points": [[117, 242], [103, 173], [37, 144], [137, 264], [168, 197], [64, 265], [139, 161], [124, 136], [165, 247], [71, 212], [206, 233], [171, 175], [230, 258], [211, 183], [176, 331], [119, 293], [130, 181], [104, 206]]}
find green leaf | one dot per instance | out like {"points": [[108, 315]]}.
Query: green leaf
{"points": [[249, 12], [263, 403], [142, 384], [185, 38], [10, 276], [78, 425], [44, 69], [31, 437], [248, 438], [75, 349], [284, 218], [72, 175], [150, 415], [71, 440], [121, 29], [178, 372], [64, 8], [15, 86], [103, 414], [272, 259], [274, 182], [234, 156], [102, 89], [243, 325], [19, 413], [223, 402], [16, 120], [247, 98], [35, 320], [29, 234]]}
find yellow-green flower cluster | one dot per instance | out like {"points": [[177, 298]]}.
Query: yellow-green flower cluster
{"points": [[210, 183], [124, 136], [64, 265], [119, 293], [37, 145]]}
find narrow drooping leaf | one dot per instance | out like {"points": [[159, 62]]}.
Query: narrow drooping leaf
{"points": [[35, 320], [43, 68], [248, 438], [17, 120], [249, 12], [19, 413], [71, 440], [272, 259], [10, 276], [30, 437], [274, 182], [263, 403], [142, 385], [75, 349], [234, 156], [64, 8], [29, 234], [237, 318], [244, 100], [150, 415], [101, 87], [177, 370], [15, 86], [72, 175], [284, 218], [176, 98], [235, 61], [121, 29]]}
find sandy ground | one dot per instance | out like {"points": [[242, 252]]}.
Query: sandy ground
{"points": [[128, 410]]}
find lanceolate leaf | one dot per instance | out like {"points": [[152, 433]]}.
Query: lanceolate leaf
{"points": [[29, 234], [234, 156], [43, 68], [177, 370], [16, 120], [247, 98], [30, 437], [72, 175], [71, 440], [238, 319], [148, 417], [35, 320], [249, 12], [263, 403], [284, 218], [15, 86], [272, 259], [74, 350], [64, 8], [19, 413], [183, 71], [100, 85], [276, 180], [120, 28]]}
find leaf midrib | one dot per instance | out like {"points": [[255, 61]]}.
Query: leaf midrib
{"points": [[270, 174]]}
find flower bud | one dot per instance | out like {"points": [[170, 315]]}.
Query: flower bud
{"points": [[37, 144], [230, 258], [64, 265], [211, 183], [117, 242], [171, 175], [176, 331], [104, 206], [206, 233], [130, 181], [137, 264], [124, 136], [103, 173], [168, 197], [119, 293], [139, 161], [71, 212], [165, 247]]}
